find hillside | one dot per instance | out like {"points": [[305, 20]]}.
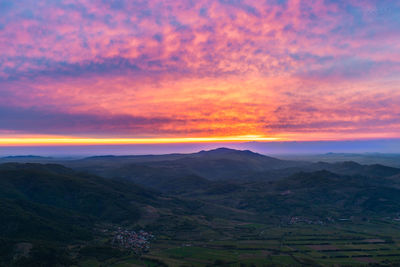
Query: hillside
{"points": [[391, 160], [319, 194], [353, 168], [201, 168], [40, 201]]}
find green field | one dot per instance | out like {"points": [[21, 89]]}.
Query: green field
{"points": [[345, 244]]}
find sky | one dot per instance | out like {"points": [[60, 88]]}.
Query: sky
{"points": [[168, 71]]}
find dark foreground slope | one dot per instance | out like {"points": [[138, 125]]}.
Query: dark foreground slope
{"points": [[66, 201], [57, 214], [52, 206]]}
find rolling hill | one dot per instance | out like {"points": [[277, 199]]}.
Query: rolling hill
{"points": [[196, 169], [40, 201]]}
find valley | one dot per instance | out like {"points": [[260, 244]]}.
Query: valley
{"points": [[221, 207]]}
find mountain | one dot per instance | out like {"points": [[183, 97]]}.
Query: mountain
{"points": [[27, 159], [213, 165], [343, 168], [39, 201], [353, 168], [245, 159], [391, 160], [161, 178], [24, 157], [324, 192], [184, 172], [317, 195]]}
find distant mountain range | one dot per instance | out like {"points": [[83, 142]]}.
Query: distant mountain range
{"points": [[214, 165], [168, 172], [161, 171]]}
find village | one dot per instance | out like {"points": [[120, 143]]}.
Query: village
{"points": [[138, 242]]}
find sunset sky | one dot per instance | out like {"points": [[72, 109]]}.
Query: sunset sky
{"points": [[157, 71]]}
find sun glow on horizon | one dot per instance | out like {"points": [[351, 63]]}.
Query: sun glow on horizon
{"points": [[29, 141], [25, 140]]}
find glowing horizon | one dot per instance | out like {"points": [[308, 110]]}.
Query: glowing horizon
{"points": [[66, 141], [109, 141]]}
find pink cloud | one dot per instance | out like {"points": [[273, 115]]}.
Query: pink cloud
{"points": [[209, 67]]}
